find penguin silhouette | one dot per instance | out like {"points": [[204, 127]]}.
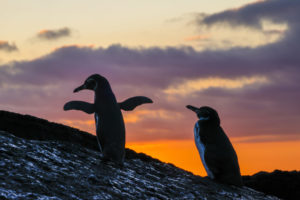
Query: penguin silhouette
{"points": [[110, 126], [217, 153]]}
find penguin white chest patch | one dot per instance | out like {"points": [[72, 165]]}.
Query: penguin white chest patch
{"points": [[97, 121], [97, 126], [201, 149]]}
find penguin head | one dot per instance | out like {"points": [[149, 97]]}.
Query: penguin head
{"points": [[206, 114], [93, 82]]}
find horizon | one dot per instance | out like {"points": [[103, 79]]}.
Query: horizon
{"points": [[146, 147], [238, 57]]}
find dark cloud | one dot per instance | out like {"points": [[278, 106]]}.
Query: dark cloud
{"points": [[54, 34], [43, 85], [5, 46], [281, 138], [251, 15], [273, 32], [186, 17], [48, 82]]}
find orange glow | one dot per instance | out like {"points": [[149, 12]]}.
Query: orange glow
{"points": [[85, 125], [267, 156], [135, 116], [253, 157], [255, 154], [183, 153], [43, 31], [197, 37]]}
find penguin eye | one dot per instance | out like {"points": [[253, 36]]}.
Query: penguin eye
{"points": [[206, 113], [91, 84]]}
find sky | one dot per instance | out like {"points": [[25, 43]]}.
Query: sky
{"points": [[240, 57]]}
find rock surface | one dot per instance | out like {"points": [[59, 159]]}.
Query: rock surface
{"points": [[282, 184], [43, 160]]}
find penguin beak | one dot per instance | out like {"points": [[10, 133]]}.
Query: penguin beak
{"points": [[193, 108], [82, 87]]}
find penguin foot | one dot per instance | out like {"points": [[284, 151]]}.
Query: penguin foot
{"points": [[108, 161]]}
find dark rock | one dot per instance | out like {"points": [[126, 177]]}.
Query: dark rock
{"points": [[44, 160], [33, 128], [283, 184]]}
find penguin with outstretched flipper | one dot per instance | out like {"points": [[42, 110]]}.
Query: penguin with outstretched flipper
{"points": [[110, 126]]}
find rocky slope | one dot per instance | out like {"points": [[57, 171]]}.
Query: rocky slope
{"points": [[283, 184], [43, 160]]}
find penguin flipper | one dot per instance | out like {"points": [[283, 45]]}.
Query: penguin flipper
{"points": [[131, 103], [80, 105]]}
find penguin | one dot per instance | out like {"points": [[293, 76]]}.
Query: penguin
{"points": [[216, 151], [110, 128]]}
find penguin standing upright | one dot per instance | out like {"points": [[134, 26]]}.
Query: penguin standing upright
{"points": [[217, 153], [110, 126]]}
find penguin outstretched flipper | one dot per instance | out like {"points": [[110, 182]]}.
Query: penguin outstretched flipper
{"points": [[131, 103], [80, 105]]}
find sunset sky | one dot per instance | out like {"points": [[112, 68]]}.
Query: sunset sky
{"points": [[240, 57]]}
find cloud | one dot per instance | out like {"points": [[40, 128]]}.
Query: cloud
{"points": [[5, 46], [267, 138], [274, 32], [197, 37], [252, 25], [191, 86], [43, 85], [252, 15], [54, 34], [184, 17], [255, 90]]}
